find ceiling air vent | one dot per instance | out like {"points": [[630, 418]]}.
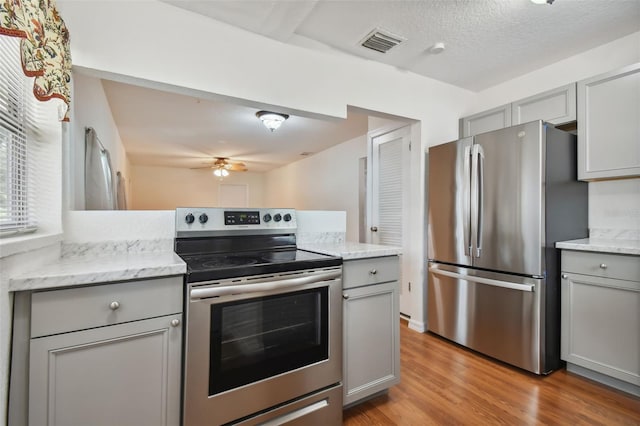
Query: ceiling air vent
{"points": [[381, 41]]}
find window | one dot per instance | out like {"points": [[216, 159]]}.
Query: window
{"points": [[17, 130]]}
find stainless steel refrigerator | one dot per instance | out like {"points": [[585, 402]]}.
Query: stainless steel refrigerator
{"points": [[498, 203]]}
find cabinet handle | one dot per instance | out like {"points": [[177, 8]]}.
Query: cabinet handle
{"points": [[373, 272], [564, 276], [114, 306], [603, 266], [175, 322], [345, 296]]}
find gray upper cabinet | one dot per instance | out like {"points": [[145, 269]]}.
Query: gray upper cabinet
{"points": [[486, 121], [556, 106], [609, 125]]}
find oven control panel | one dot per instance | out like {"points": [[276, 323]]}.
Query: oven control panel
{"points": [[208, 221], [241, 217]]}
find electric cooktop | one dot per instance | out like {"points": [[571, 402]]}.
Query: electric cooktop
{"points": [[212, 266]]}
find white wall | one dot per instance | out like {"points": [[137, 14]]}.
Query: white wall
{"points": [[165, 188], [327, 180], [91, 109]]}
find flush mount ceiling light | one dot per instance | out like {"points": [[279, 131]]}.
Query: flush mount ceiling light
{"points": [[542, 1], [271, 120]]}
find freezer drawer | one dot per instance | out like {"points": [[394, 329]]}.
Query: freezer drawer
{"points": [[498, 315]]}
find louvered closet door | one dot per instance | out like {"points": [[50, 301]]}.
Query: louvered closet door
{"points": [[390, 154], [390, 176]]}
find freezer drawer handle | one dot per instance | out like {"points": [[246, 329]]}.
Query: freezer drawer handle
{"points": [[495, 283]]}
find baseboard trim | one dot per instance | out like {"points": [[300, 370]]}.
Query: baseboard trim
{"points": [[418, 326], [604, 379]]}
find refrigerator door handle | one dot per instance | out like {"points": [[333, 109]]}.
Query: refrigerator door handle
{"points": [[467, 201], [480, 196], [475, 200], [480, 280]]}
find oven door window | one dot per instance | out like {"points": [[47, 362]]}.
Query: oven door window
{"points": [[253, 339]]}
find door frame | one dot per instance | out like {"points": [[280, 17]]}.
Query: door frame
{"points": [[405, 297]]}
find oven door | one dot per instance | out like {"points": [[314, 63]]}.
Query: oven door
{"points": [[261, 341]]}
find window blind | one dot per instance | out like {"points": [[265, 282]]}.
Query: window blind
{"points": [[18, 129]]}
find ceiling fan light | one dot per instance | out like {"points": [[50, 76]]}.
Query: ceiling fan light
{"points": [[220, 172], [271, 120]]}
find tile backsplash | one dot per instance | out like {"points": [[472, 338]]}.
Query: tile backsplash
{"points": [[614, 209]]}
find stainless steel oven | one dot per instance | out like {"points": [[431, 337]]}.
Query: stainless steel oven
{"points": [[263, 341]]}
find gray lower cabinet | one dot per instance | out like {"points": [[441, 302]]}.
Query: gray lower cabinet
{"points": [[371, 327], [609, 125], [123, 371], [601, 317]]}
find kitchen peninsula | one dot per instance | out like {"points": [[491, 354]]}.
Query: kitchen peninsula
{"points": [[92, 307]]}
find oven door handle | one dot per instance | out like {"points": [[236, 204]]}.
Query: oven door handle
{"points": [[204, 293]]}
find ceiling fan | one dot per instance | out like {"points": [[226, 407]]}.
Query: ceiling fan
{"points": [[222, 166]]}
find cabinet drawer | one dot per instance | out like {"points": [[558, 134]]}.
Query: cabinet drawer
{"points": [[60, 311], [356, 273], [619, 266]]}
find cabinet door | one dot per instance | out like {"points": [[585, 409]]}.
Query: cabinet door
{"points": [[486, 121], [556, 106], [127, 374], [371, 340], [609, 125], [601, 325]]}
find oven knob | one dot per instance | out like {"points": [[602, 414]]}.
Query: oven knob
{"points": [[203, 218], [189, 218], [287, 217], [266, 217], [277, 217]]}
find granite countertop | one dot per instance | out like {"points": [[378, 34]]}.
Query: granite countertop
{"points": [[602, 245], [348, 250], [72, 271]]}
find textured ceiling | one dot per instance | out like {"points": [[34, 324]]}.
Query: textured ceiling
{"points": [[487, 41]]}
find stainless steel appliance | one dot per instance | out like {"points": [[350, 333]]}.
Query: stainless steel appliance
{"points": [[498, 202], [263, 338]]}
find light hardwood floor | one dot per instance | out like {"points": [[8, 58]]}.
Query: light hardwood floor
{"points": [[444, 384]]}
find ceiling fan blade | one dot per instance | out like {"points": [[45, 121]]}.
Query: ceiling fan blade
{"points": [[203, 167], [236, 167]]}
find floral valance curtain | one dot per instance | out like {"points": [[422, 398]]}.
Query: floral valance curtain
{"points": [[44, 46]]}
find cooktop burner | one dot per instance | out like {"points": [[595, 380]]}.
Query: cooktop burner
{"points": [[206, 267], [226, 262]]}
